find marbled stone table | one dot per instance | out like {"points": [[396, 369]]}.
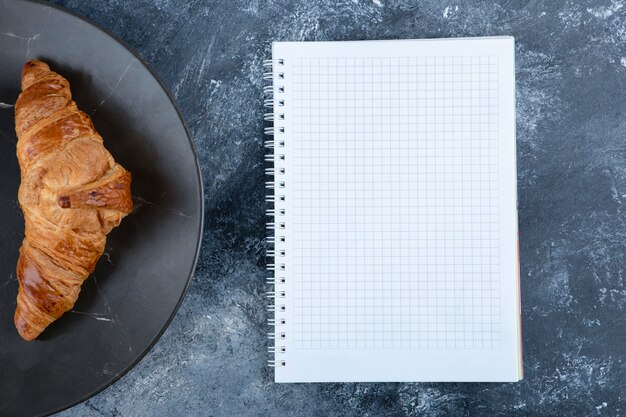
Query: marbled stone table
{"points": [[571, 141]]}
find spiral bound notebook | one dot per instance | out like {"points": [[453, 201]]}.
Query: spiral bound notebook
{"points": [[393, 204]]}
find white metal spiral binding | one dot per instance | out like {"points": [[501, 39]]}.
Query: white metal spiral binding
{"points": [[274, 100]]}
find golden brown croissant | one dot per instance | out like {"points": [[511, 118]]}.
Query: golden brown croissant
{"points": [[72, 194]]}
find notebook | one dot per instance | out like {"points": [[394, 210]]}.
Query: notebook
{"points": [[393, 211]]}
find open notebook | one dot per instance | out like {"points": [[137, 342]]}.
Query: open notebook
{"points": [[394, 211]]}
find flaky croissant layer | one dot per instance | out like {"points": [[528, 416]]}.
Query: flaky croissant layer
{"points": [[72, 194]]}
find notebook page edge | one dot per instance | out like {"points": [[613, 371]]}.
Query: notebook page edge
{"points": [[407, 40]]}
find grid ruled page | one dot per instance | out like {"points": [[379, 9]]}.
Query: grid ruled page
{"points": [[400, 220]]}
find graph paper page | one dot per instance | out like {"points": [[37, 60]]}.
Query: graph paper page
{"points": [[400, 219]]}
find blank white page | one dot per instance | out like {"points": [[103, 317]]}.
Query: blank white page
{"points": [[396, 211]]}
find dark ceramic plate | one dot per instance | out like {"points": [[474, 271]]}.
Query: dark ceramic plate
{"points": [[137, 286]]}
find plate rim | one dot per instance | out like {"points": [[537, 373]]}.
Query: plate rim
{"points": [[189, 136]]}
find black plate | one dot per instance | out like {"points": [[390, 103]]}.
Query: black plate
{"points": [[140, 282]]}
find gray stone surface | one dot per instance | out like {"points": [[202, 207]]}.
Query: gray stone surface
{"points": [[571, 96]]}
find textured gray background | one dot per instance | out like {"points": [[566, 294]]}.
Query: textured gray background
{"points": [[571, 131]]}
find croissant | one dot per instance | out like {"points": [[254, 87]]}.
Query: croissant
{"points": [[72, 193]]}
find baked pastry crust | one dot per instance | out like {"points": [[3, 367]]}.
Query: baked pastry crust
{"points": [[72, 193]]}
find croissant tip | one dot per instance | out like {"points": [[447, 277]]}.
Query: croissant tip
{"points": [[27, 338], [25, 331], [32, 64], [31, 70]]}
